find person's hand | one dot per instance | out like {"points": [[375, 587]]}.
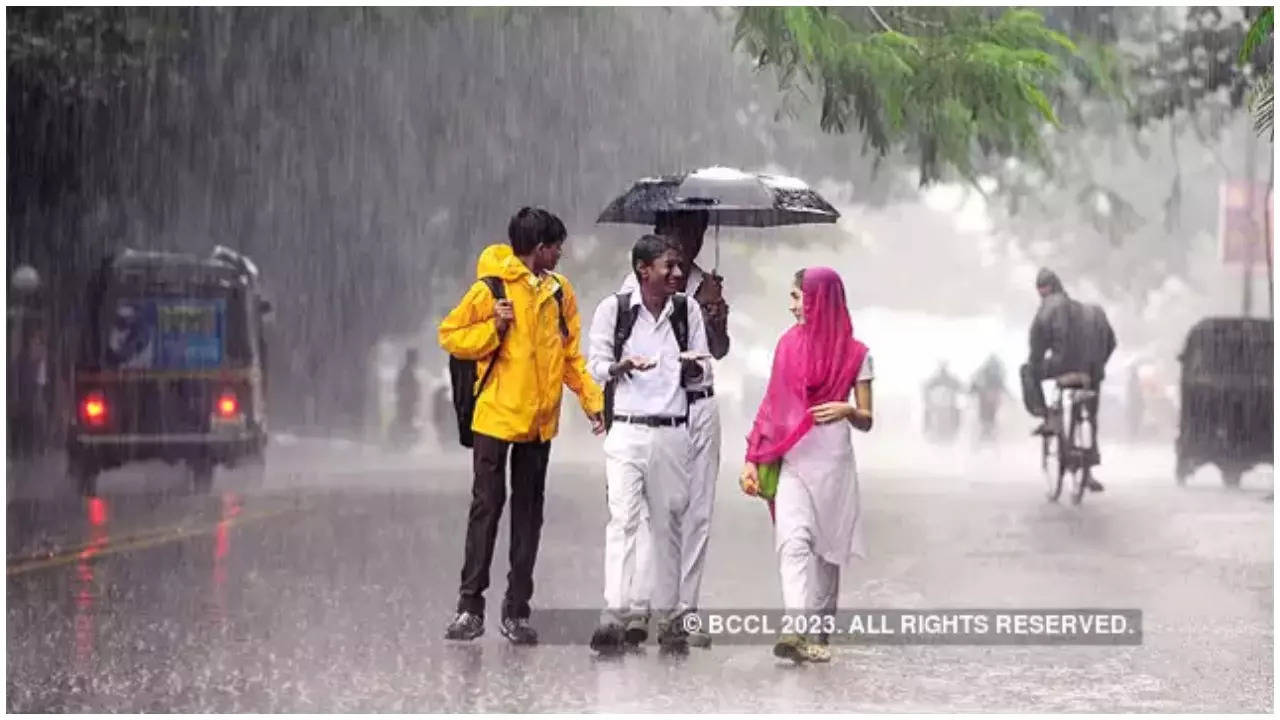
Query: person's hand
{"points": [[716, 310], [504, 313], [691, 370], [749, 480], [711, 291], [626, 365], [597, 423], [831, 412]]}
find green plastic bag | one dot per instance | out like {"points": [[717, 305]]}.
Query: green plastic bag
{"points": [[767, 475]]}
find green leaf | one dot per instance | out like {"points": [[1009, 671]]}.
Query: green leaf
{"points": [[1258, 33]]}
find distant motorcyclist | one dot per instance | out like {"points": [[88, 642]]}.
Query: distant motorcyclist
{"points": [[941, 414], [1066, 336], [989, 388]]}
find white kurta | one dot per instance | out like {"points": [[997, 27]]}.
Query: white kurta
{"points": [[818, 526]]}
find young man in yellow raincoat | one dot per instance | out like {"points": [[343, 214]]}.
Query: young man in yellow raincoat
{"points": [[518, 408]]}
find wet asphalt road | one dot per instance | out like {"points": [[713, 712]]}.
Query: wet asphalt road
{"points": [[329, 589]]}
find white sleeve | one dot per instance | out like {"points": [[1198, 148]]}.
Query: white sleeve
{"points": [[600, 339], [868, 370], [698, 344]]}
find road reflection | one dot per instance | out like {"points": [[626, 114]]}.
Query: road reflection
{"points": [[85, 589], [232, 504]]}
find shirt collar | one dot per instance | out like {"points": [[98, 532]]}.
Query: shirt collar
{"points": [[637, 301]]}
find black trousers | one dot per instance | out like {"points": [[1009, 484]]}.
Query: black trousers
{"points": [[1092, 406], [488, 494]]}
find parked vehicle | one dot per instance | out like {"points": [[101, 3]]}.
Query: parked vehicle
{"points": [[1226, 413]]}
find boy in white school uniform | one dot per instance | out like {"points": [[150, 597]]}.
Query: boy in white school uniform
{"points": [[650, 348]]}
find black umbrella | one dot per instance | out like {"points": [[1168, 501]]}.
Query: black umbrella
{"points": [[729, 196]]}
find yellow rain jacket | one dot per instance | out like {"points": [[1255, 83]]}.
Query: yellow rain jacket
{"points": [[521, 402]]}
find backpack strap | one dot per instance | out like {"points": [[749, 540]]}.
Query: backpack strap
{"points": [[496, 286], [623, 323], [499, 290], [680, 319], [559, 296]]}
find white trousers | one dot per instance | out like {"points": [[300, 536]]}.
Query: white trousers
{"points": [[810, 584], [704, 467], [647, 472]]}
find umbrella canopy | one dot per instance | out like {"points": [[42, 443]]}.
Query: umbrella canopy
{"points": [[729, 196]]}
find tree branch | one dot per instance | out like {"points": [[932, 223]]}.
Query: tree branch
{"points": [[921, 23], [879, 19]]}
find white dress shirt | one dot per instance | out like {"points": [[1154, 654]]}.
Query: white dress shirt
{"points": [[656, 391]]}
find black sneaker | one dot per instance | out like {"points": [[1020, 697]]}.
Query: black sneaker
{"points": [[465, 626], [1094, 485], [518, 631], [607, 638], [637, 630], [673, 636], [699, 639]]}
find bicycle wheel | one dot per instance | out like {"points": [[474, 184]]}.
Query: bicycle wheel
{"points": [[1053, 472], [1080, 472]]}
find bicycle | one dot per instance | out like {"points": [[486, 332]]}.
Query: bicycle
{"points": [[1071, 447]]}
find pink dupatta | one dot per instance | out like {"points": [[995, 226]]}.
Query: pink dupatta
{"points": [[814, 363]]}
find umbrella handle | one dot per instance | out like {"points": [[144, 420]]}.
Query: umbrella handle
{"points": [[715, 270]]}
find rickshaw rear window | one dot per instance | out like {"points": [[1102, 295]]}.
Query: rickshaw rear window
{"points": [[1231, 351], [165, 333]]}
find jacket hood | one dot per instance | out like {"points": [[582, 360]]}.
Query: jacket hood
{"points": [[499, 260], [1048, 278]]}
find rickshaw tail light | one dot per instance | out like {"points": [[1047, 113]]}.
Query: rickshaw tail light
{"points": [[228, 406], [94, 409]]}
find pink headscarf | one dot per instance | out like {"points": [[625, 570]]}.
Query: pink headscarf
{"points": [[815, 362]]}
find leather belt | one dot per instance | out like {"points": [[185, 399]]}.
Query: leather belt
{"points": [[696, 395], [651, 420]]}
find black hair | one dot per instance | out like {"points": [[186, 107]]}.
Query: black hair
{"points": [[662, 219], [532, 227], [649, 248], [800, 278], [1048, 278]]}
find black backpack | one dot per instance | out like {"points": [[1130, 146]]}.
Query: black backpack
{"points": [[462, 373], [622, 326]]}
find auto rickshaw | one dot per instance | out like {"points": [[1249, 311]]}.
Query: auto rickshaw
{"points": [[1226, 413], [171, 367]]}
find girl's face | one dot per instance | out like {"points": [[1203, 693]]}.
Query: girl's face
{"points": [[797, 304]]}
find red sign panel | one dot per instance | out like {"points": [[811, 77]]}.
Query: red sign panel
{"points": [[1242, 228]]}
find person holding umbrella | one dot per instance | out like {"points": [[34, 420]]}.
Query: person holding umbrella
{"points": [[688, 228], [682, 207]]}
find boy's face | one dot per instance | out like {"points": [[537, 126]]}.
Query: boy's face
{"points": [[663, 276], [547, 256]]}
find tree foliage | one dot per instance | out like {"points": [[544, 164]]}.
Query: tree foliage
{"points": [[944, 83], [1257, 41], [363, 156]]}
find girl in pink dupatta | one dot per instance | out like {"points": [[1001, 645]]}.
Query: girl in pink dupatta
{"points": [[804, 422]]}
